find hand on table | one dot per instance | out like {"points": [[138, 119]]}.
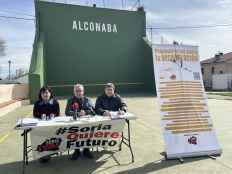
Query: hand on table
{"points": [[82, 113], [120, 112], [107, 113]]}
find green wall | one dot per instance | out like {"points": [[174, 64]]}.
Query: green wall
{"points": [[91, 57], [37, 68]]}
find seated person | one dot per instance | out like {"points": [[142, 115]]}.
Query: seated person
{"points": [[83, 106], [110, 101], [46, 105]]}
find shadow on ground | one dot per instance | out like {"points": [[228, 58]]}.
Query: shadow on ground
{"points": [[62, 165], [158, 165]]}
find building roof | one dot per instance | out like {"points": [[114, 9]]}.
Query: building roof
{"points": [[219, 57]]}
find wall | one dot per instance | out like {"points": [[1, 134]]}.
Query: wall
{"points": [[37, 68], [13, 91], [222, 81], [91, 57], [207, 76]]}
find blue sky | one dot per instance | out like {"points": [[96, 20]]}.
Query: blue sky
{"points": [[19, 34]]}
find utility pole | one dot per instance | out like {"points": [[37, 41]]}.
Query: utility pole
{"points": [[151, 34], [162, 40], [9, 62], [122, 4]]}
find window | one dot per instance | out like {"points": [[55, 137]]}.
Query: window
{"points": [[213, 70], [202, 71]]}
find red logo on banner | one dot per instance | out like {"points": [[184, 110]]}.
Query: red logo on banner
{"points": [[192, 140], [51, 144]]}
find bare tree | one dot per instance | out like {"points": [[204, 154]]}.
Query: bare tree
{"points": [[2, 47]]}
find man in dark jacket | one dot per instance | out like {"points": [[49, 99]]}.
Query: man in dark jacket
{"points": [[110, 101], [82, 106]]}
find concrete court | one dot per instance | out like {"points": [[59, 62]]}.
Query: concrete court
{"points": [[147, 144]]}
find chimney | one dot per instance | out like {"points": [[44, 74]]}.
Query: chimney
{"points": [[216, 56], [140, 8], [219, 55], [175, 43]]}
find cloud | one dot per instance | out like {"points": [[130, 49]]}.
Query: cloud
{"points": [[225, 3], [190, 13], [154, 17]]}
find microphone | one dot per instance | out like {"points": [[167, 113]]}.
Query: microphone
{"points": [[75, 107]]}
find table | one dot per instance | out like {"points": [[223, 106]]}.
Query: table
{"points": [[26, 129]]}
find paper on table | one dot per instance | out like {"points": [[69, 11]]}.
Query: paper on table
{"points": [[115, 115], [63, 119], [27, 122]]}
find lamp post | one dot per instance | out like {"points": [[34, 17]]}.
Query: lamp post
{"points": [[9, 62]]}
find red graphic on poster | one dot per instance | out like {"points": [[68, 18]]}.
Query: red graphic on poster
{"points": [[192, 140]]}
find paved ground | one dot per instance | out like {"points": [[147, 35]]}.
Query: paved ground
{"points": [[220, 95], [147, 143]]}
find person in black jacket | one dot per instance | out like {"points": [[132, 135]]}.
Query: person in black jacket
{"points": [[110, 101], [80, 105], [46, 105]]}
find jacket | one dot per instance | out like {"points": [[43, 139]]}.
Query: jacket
{"points": [[83, 104], [114, 103], [51, 107]]}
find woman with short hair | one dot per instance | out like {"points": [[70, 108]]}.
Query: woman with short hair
{"points": [[46, 104]]}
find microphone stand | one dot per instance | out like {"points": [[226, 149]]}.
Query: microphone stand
{"points": [[75, 115]]}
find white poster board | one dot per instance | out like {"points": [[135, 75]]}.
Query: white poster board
{"points": [[186, 123]]}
